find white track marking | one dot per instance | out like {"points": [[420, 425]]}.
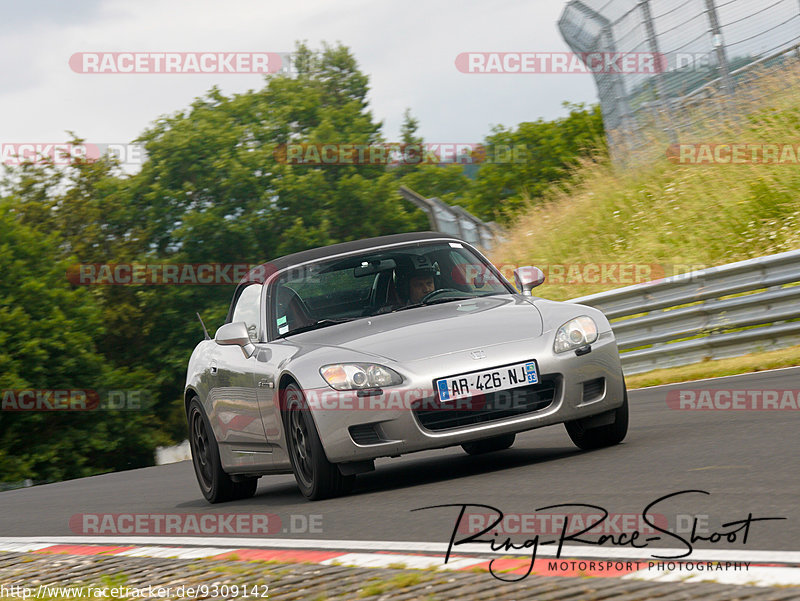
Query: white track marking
{"points": [[757, 575], [179, 552], [754, 576], [381, 560], [567, 552], [23, 547]]}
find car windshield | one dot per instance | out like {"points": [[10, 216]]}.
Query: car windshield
{"points": [[374, 282]]}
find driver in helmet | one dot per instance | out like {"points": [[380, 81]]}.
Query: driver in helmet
{"points": [[420, 285], [417, 282]]}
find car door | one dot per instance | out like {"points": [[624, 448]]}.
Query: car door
{"points": [[268, 357], [240, 431]]}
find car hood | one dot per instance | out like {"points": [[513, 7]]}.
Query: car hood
{"points": [[431, 331]]}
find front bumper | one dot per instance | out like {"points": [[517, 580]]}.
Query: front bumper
{"points": [[385, 425]]}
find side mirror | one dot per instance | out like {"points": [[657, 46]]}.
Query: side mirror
{"points": [[235, 334], [527, 278]]}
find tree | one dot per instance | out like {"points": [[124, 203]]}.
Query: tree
{"points": [[523, 163], [449, 183], [47, 342]]}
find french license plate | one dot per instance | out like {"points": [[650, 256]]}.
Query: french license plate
{"points": [[489, 380]]}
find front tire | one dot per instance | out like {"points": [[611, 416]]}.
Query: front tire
{"points": [[489, 445], [603, 436], [317, 478], [215, 484]]}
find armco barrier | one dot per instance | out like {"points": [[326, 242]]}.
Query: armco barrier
{"points": [[725, 311]]}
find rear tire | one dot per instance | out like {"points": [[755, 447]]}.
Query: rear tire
{"points": [[489, 445], [215, 484], [317, 478], [603, 436]]}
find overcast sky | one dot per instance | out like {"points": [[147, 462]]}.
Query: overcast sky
{"points": [[408, 49]]}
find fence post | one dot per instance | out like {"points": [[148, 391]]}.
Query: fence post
{"points": [[617, 119], [719, 46], [628, 128], [660, 89]]}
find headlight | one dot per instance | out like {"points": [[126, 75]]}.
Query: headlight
{"points": [[356, 376], [575, 334]]}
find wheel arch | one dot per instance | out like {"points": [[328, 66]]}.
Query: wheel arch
{"points": [[188, 395], [284, 380]]}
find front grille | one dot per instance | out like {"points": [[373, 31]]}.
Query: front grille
{"points": [[593, 389], [436, 416], [366, 434]]}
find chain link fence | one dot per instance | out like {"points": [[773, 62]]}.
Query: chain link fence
{"points": [[711, 56]]}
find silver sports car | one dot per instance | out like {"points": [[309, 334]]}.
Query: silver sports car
{"points": [[332, 357]]}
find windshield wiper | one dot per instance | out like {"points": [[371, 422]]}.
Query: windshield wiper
{"points": [[322, 323]]}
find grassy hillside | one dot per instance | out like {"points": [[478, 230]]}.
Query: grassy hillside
{"points": [[665, 217]]}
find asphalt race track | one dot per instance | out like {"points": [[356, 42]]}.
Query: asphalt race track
{"points": [[748, 460]]}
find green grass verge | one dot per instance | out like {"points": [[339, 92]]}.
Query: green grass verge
{"points": [[609, 226], [665, 218], [788, 357]]}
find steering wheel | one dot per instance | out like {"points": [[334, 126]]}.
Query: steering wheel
{"points": [[430, 295]]}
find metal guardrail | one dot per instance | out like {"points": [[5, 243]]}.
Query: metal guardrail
{"points": [[455, 220], [726, 311]]}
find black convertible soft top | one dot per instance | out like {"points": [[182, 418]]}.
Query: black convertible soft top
{"points": [[258, 275]]}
